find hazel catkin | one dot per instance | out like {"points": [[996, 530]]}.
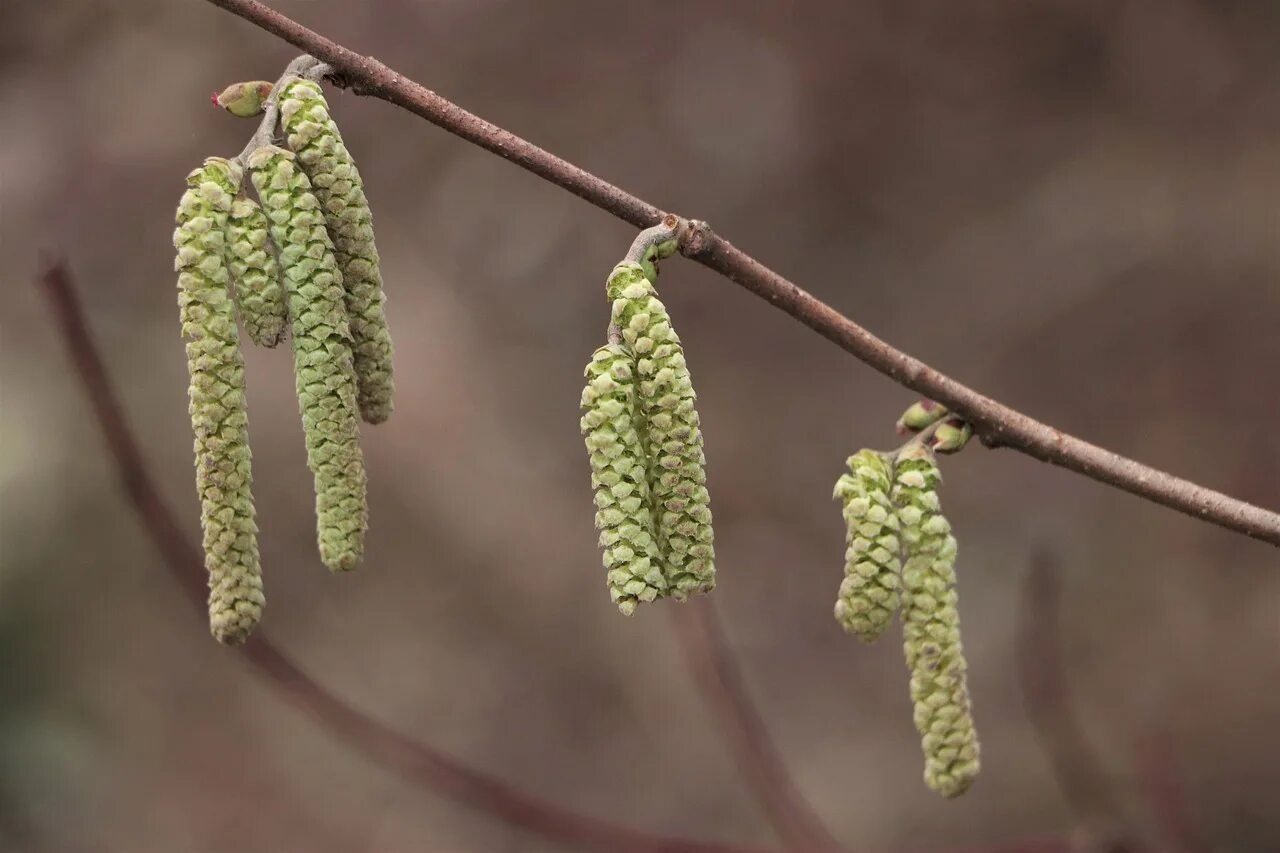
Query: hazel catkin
{"points": [[676, 463], [217, 402], [931, 627], [314, 137], [322, 354], [255, 272], [870, 593], [624, 513]]}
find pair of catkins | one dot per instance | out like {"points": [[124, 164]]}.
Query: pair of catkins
{"points": [[645, 443], [901, 555], [304, 261]]}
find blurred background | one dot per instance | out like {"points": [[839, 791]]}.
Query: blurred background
{"points": [[1068, 204]]}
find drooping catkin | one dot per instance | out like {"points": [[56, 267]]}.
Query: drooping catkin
{"points": [[322, 354], [931, 627], [611, 423], [871, 590], [677, 476], [251, 256], [314, 136], [217, 402]]}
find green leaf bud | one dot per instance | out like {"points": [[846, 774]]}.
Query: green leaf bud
{"points": [[919, 415], [676, 464], [951, 435], [611, 424], [931, 627], [314, 136], [251, 256], [219, 417], [244, 99], [871, 590], [321, 353]]}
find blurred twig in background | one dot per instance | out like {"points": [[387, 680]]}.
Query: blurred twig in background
{"points": [[417, 761], [720, 681], [997, 424]]}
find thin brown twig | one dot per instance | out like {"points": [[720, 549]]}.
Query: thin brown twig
{"points": [[995, 423], [419, 762], [720, 681]]}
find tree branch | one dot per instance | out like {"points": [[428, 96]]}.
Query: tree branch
{"points": [[720, 681], [996, 424], [418, 762]]}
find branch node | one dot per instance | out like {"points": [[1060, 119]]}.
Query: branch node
{"points": [[696, 238]]}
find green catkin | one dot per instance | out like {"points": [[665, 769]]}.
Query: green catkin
{"points": [[217, 402], [624, 514], [314, 136], [322, 354], [255, 272], [931, 627], [871, 590], [677, 475]]}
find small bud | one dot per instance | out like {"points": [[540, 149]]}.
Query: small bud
{"points": [[244, 99], [920, 415], [951, 435]]}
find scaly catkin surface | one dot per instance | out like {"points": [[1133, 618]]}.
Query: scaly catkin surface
{"points": [[314, 136], [871, 590], [218, 415], [624, 513], [251, 256], [322, 354], [931, 627], [677, 475]]}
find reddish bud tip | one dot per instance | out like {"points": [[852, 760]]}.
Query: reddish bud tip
{"points": [[214, 99]]}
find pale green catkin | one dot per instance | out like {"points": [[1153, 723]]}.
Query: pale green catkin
{"points": [[256, 273], [677, 476], [871, 590], [322, 354], [611, 423], [218, 415], [314, 136], [931, 627]]}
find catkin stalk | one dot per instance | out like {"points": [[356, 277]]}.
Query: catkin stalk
{"points": [[314, 136], [677, 476], [931, 627], [255, 272], [217, 402], [322, 354], [871, 590], [624, 513]]}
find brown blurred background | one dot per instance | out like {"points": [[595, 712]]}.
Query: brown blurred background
{"points": [[1068, 204]]}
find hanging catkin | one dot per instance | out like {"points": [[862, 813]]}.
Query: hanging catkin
{"points": [[322, 354], [218, 416], [677, 477], [870, 592], [624, 514], [255, 272], [931, 627], [314, 136]]}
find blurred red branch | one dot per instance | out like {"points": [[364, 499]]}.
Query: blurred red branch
{"points": [[417, 761], [997, 424], [1047, 699], [716, 673], [1162, 787]]}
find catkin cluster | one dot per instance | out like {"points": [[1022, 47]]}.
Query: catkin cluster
{"points": [[303, 260], [314, 137], [639, 408], [901, 554], [217, 394]]}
